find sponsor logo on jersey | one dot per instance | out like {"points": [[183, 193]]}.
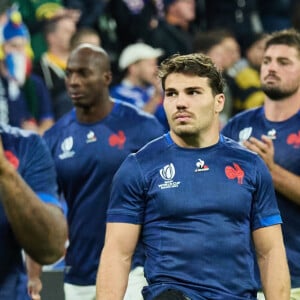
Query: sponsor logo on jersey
{"points": [[66, 147], [167, 173], [91, 137], [271, 134], [117, 140], [294, 140], [235, 172], [201, 166]]}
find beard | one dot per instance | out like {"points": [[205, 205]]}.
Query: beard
{"points": [[276, 93], [187, 133]]}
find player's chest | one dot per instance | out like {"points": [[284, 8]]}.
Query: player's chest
{"points": [[202, 186], [92, 148]]}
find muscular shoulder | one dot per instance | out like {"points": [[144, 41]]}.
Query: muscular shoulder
{"points": [[153, 151], [134, 115], [128, 110]]}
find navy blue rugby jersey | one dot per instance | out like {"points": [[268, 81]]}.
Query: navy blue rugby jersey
{"points": [[30, 156], [86, 158], [286, 139], [198, 208]]}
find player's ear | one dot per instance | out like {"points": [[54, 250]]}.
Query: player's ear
{"points": [[219, 102], [107, 77]]}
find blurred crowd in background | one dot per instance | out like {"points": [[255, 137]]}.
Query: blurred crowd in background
{"points": [[36, 38]]}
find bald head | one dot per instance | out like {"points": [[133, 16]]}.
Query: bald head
{"points": [[91, 54], [88, 77]]}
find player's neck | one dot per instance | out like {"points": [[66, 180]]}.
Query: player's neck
{"points": [[200, 141], [278, 111], [94, 113]]}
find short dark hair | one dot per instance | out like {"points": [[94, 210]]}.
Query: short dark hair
{"points": [[204, 41], [289, 37], [80, 33], [197, 64]]}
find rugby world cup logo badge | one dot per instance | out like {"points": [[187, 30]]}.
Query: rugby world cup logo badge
{"points": [[167, 173], [245, 134], [66, 147]]}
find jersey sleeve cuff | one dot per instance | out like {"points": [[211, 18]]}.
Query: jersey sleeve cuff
{"points": [[268, 221], [49, 199]]}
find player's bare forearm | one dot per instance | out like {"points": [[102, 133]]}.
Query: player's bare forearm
{"points": [[272, 263], [120, 243], [275, 278], [40, 228], [286, 183], [111, 267]]}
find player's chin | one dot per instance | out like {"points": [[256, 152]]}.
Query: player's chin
{"points": [[184, 130], [80, 104]]}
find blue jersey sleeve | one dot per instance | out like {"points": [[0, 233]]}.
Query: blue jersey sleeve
{"points": [[265, 209], [127, 196], [37, 168]]}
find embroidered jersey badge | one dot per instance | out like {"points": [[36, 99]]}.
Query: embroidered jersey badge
{"points": [[118, 139], [294, 140], [244, 134], [91, 137], [235, 172], [167, 173], [201, 166], [272, 134], [66, 147]]}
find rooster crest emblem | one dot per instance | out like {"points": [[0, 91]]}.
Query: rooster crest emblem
{"points": [[235, 172]]}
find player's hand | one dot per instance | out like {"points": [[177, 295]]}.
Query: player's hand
{"points": [[34, 287], [264, 148]]}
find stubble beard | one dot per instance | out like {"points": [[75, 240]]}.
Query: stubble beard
{"points": [[276, 93], [185, 132]]}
